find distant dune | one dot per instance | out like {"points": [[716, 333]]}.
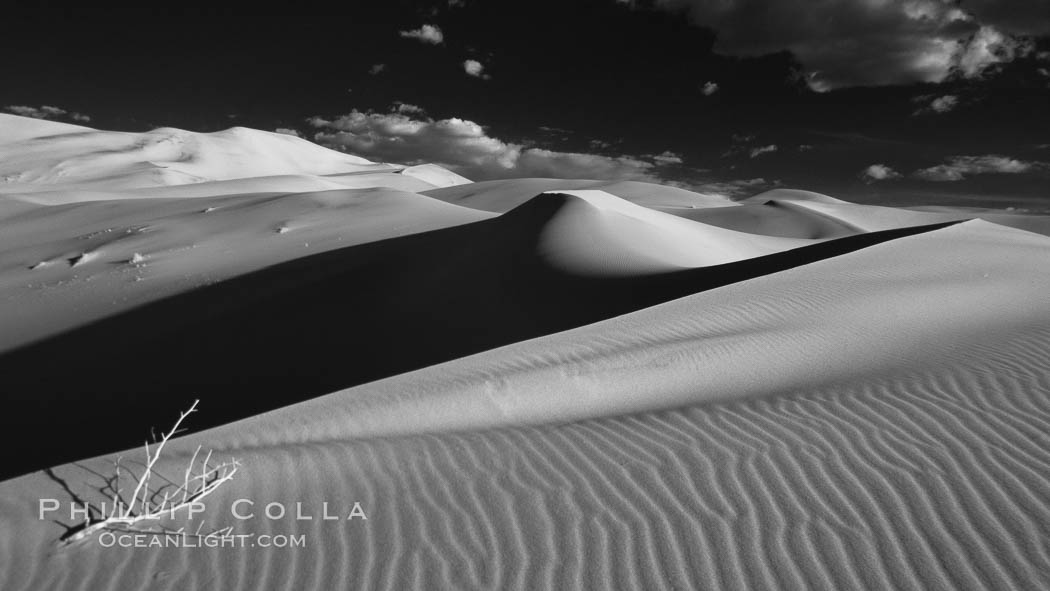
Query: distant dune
{"points": [[525, 384]]}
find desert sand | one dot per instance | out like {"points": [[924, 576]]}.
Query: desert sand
{"points": [[522, 384]]}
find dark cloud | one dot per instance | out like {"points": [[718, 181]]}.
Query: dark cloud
{"points": [[875, 42], [935, 104], [627, 79]]}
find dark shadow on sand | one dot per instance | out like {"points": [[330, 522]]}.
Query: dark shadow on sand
{"points": [[312, 326]]}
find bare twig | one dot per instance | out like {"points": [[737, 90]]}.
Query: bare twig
{"points": [[143, 506]]}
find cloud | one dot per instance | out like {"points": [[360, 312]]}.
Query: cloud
{"points": [[742, 143], [376, 68], [985, 48], [709, 88], [426, 34], [476, 69], [879, 172], [408, 108], [940, 104], [667, 157], [465, 147], [874, 42], [756, 152], [46, 112], [35, 112], [287, 131], [959, 167]]}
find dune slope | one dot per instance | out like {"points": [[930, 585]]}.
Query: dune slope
{"points": [[893, 441], [367, 312], [66, 266]]}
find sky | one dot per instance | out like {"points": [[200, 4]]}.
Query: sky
{"points": [[877, 101]]}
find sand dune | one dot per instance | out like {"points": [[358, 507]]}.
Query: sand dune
{"points": [[357, 314], [526, 384], [872, 217], [793, 195], [504, 195], [595, 232], [66, 266], [17, 129], [894, 441], [705, 348], [43, 156], [435, 175], [773, 218], [53, 163], [394, 179]]}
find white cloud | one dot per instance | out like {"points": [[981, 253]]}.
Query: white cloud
{"points": [[376, 68], [756, 152], [45, 112], [427, 34], [476, 69], [666, 157], [465, 147], [940, 104], [985, 48], [742, 143], [960, 167], [709, 88], [879, 172], [287, 131], [408, 108]]}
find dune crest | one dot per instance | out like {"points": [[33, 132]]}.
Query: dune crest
{"points": [[66, 160]]}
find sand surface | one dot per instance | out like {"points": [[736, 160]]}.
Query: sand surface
{"points": [[525, 384]]}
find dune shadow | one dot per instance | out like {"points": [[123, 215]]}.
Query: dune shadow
{"points": [[315, 325]]}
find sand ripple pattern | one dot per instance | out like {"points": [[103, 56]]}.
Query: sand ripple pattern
{"points": [[914, 481]]}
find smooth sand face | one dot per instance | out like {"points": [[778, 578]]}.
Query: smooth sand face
{"points": [[533, 384]]}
